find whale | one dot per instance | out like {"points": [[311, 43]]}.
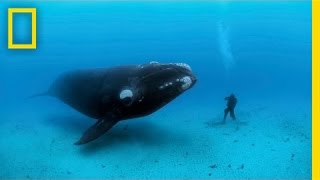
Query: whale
{"points": [[110, 95]]}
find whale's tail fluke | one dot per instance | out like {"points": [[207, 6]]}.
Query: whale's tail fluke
{"points": [[38, 95]]}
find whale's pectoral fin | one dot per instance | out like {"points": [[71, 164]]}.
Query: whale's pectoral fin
{"points": [[97, 130]]}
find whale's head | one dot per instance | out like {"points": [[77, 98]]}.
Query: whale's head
{"points": [[158, 84], [167, 80]]}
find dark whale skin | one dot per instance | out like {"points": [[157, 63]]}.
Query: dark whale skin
{"points": [[95, 92]]}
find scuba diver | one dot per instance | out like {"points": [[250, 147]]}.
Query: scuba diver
{"points": [[231, 104]]}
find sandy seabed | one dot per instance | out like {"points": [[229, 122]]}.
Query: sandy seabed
{"points": [[37, 143]]}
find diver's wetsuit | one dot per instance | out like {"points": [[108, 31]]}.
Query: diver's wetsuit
{"points": [[232, 101]]}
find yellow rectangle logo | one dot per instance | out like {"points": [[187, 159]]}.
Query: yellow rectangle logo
{"points": [[33, 44]]}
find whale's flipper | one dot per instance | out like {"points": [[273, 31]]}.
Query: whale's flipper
{"points": [[97, 130]]}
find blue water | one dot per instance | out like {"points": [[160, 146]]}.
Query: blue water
{"points": [[261, 51]]}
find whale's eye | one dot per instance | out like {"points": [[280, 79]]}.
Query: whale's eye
{"points": [[126, 94], [186, 82]]}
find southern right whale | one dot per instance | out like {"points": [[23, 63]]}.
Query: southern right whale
{"points": [[119, 93]]}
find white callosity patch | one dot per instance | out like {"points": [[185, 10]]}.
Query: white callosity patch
{"points": [[126, 94], [186, 82], [166, 85], [184, 65], [140, 100], [151, 62], [154, 62]]}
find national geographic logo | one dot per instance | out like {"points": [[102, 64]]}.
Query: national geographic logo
{"points": [[33, 44]]}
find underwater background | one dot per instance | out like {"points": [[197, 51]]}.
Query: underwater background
{"points": [[258, 50]]}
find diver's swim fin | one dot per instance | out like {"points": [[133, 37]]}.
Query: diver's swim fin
{"points": [[97, 130]]}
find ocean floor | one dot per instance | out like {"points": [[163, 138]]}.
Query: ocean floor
{"points": [[37, 137]]}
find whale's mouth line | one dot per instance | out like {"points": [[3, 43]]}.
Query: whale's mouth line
{"points": [[158, 72]]}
